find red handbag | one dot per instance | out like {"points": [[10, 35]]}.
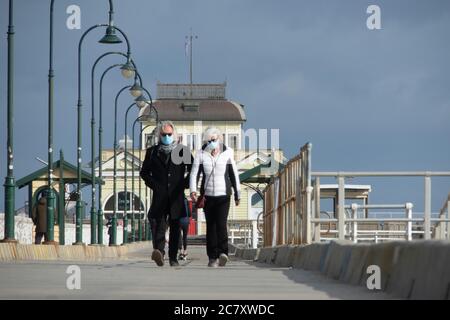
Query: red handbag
{"points": [[200, 204], [201, 198]]}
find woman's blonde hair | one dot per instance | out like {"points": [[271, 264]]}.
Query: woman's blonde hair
{"points": [[212, 131]]}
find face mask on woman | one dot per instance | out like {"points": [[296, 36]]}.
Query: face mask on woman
{"points": [[213, 144], [166, 139]]}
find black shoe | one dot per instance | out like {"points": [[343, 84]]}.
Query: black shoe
{"points": [[213, 263], [158, 257], [174, 263]]}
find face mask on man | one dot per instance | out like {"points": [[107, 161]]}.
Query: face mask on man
{"points": [[167, 139]]}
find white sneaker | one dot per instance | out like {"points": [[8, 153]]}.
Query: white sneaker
{"points": [[158, 257], [223, 259]]}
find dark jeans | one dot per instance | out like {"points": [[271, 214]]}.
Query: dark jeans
{"points": [[39, 236], [159, 227], [183, 239], [216, 213]]}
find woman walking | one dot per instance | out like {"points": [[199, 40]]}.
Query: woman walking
{"points": [[215, 162]]}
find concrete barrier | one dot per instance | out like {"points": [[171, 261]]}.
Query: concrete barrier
{"points": [[421, 271], [285, 256], [267, 255], [122, 251], [300, 257], [337, 259], [250, 254], [310, 257], [232, 249], [94, 252], [355, 267], [404, 277], [239, 252], [7, 252], [36, 252], [383, 255], [411, 270], [13, 252], [432, 278], [71, 253], [298, 251]]}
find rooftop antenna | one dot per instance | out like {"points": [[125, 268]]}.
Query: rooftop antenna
{"points": [[189, 45]]}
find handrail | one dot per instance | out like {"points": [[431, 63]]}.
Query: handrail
{"points": [[292, 204], [446, 205]]}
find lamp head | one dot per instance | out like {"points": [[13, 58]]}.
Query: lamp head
{"points": [[141, 102], [136, 90], [128, 70], [110, 36]]}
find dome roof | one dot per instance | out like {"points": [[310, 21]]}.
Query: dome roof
{"points": [[199, 110]]}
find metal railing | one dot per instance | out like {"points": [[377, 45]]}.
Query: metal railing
{"points": [[426, 221], [442, 230], [283, 201], [352, 232], [245, 233], [292, 208]]}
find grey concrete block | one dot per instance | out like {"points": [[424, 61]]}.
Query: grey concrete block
{"points": [[355, 268], [337, 259], [285, 256], [432, 278], [267, 255], [250, 254]]}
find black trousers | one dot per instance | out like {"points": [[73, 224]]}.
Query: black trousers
{"points": [[38, 237], [183, 239], [159, 227], [216, 213]]}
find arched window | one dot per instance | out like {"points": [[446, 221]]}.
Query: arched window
{"points": [[109, 206]]}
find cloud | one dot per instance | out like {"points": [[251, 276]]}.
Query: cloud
{"points": [[310, 68]]}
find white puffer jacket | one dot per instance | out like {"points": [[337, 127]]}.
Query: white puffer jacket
{"points": [[220, 173]]}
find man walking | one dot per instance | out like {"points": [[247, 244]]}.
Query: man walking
{"points": [[166, 171]]}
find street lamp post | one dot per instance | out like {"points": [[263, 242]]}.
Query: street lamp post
{"points": [[125, 214], [93, 211], [10, 184], [79, 226], [142, 103], [136, 91], [99, 219], [100, 136], [50, 194], [109, 38], [61, 216]]}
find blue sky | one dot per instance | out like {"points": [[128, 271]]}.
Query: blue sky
{"points": [[367, 100]]}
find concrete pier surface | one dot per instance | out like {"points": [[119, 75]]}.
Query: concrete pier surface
{"points": [[138, 277]]}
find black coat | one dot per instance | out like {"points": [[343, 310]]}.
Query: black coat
{"points": [[167, 181]]}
